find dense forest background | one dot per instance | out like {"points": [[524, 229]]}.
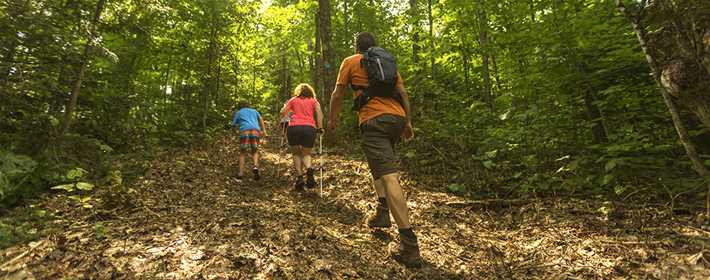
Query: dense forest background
{"points": [[513, 98]]}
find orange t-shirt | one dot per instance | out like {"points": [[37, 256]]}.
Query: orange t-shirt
{"points": [[351, 73]]}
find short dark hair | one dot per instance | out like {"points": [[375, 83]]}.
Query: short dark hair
{"points": [[243, 104], [364, 41]]}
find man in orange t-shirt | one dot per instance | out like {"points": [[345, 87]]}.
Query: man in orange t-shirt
{"points": [[383, 121]]}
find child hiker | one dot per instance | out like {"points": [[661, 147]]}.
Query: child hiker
{"points": [[251, 126], [306, 121]]}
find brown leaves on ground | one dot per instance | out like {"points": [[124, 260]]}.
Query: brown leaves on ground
{"points": [[191, 219]]}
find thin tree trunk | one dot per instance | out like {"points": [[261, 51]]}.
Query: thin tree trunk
{"points": [[346, 15], [9, 61], [690, 148], [71, 105], [166, 80], [485, 56], [414, 15], [208, 78], [594, 115], [496, 74], [431, 38], [466, 75], [326, 50], [317, 59]]}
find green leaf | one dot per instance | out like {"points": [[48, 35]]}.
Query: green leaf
{"points": [[105, 148], [563, 158], [456, 188], [66, 187], [40, 213], [84, 186], [491, 154], [76, 173], [53, 121], [607, 179], [707, 163], [610, 165], [489, 164], [411, 154]]}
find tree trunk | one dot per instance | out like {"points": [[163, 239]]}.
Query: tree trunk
{"points": [[317, 59], [414, 19], [496, 74], [208, 80], [326, 50], [690, 148], [465, 57], [485, 56], [74, 96], [346, 16], [431, 38], [594, 115], [9, 61]]}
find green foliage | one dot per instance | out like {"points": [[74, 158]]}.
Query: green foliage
{"points": [[572, 106], [15, 171], [25, 224], [76, 185]]}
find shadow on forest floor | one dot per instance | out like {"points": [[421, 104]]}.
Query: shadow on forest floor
{"points": [[189, 218]]}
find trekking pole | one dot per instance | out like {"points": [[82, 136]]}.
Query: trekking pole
{"points": [[321, 164]]}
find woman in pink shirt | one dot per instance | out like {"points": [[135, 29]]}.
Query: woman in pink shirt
{"points": [[306, 120]]}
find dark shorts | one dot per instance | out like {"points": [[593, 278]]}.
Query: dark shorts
{"points": [[249, 140], [379, 135], [301, 135]]}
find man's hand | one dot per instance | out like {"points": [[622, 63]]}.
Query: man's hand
{"points": [[264, 134], [408, 133]]}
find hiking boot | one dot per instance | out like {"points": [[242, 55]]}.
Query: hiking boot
{"points": [[256, 174], [407, 253], [310, 179], [299, 183], [381, 219]]}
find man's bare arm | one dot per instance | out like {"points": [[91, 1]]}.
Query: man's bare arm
{"points": [[336, 100]]}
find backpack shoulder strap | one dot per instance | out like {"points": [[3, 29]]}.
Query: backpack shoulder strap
{"points": [[363, 60]]}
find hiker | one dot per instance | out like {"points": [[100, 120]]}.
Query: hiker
{"points": [[306, 121], [283, 125], [383, 120], [251, 127]]}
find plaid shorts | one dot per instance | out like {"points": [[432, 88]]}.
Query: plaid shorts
{"points": [[249, 140]]}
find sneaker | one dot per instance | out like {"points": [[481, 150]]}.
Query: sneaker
{"points": [[381, 219], [256, 174], [299, 183], [407, 253], [310, 179]]}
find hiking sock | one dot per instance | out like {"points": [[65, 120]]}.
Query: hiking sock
{"points": [[299, 183], [408, 233], [310, 179], [383, 202], [256, 174]]}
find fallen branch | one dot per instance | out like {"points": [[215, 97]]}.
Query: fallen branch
{"points": [[20, 256]]}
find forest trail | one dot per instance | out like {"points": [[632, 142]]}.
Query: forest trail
{"points": [[190, 219]]}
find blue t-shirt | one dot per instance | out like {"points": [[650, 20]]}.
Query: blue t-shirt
{"points": [[246, 118]]}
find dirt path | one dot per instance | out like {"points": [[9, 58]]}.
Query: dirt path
{"points": [[190, 219]]}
